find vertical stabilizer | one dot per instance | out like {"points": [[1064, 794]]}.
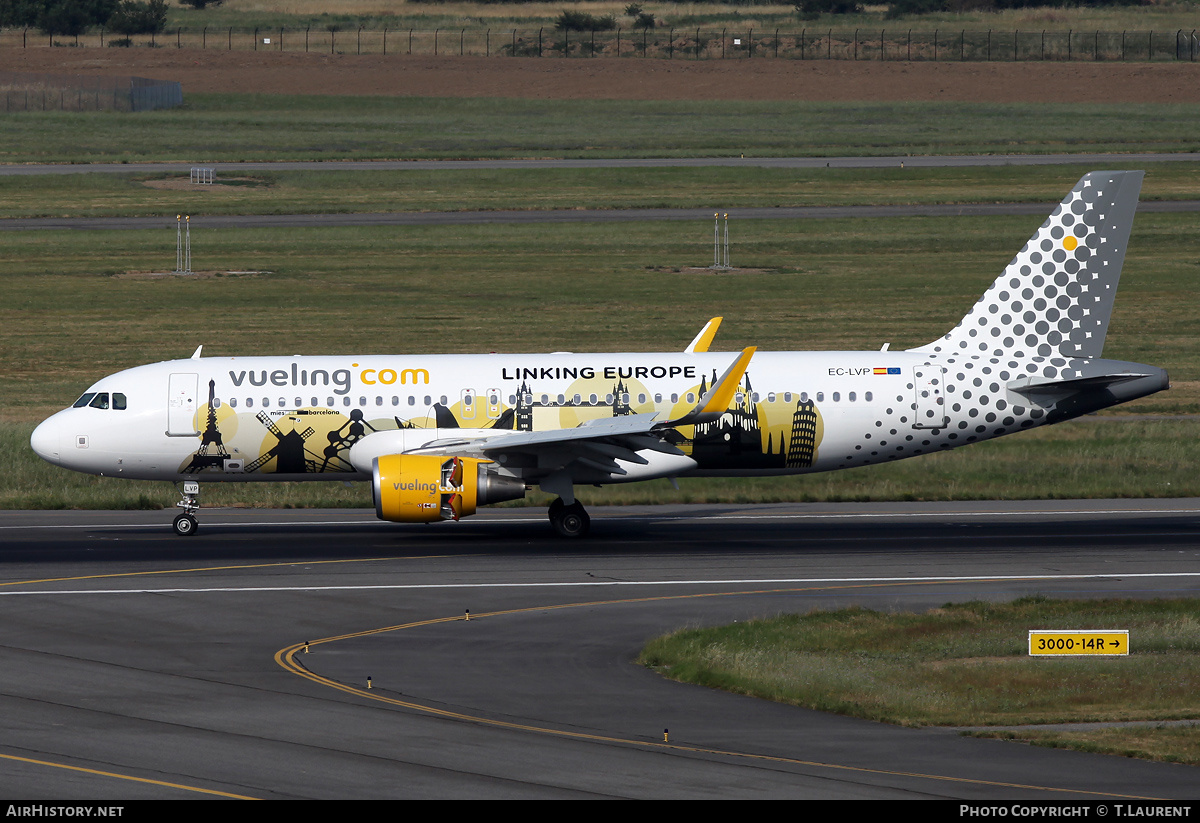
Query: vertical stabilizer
{"points": [[1056, 296]]}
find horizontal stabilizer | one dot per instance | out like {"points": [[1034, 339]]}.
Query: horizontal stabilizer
{"points": [[1042, 386]]}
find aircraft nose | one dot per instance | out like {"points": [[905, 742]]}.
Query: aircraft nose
{"points": [[46, 440]]}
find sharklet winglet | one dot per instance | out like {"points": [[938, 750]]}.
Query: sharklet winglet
{"points": [[703, 340], [715, 403]]}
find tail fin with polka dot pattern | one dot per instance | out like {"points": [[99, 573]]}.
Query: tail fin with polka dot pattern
{"points": [[1056, 296]]}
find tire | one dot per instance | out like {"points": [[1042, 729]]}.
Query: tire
{"points": [[571, 521], [185, 525]]}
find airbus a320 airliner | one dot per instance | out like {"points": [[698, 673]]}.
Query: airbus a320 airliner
{"points": [[439, 435]]}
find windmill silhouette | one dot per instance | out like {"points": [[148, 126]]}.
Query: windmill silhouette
{"points": [[289, 453]]}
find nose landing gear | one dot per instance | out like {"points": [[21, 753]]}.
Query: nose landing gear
{"points": [[569, 520], [185, 524]]}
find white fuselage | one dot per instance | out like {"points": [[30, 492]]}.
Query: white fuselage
{"points": [[296, 418]]}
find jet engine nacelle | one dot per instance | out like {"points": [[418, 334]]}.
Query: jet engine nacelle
{"points": [[425, 488]]}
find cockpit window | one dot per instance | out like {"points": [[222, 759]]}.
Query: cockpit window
{"points": [[118, 401], [100, 401], [83, 401]]}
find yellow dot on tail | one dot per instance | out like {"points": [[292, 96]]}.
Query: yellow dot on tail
{"points": [[1070, 243]]}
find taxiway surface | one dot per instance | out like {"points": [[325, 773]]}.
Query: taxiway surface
{"points": [[138, 664]]}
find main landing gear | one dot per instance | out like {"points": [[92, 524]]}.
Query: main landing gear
{"points": [[185, 524], [569, 520]]}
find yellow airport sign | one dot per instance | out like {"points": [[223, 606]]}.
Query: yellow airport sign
{"points": [[1068, 643]]}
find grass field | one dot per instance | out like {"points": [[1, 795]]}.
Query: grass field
{"points": [[72, 312], [234, 128], [964, 664], [331, 191], [69, 318], [506, 288], [377, 13]]}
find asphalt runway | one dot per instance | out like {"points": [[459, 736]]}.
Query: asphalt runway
{"points": [[140, 665]]}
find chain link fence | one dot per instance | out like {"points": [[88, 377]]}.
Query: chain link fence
{"points": [[31, 91], [666, 43]]}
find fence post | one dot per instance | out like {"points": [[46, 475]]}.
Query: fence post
{"points": [[697, 57], [462, 36], [229, 46], [23, 32], [722, 44], [776, 42], [856, 44], [101, 37], [203, 38], [385, 40], [358, 47], [1016, 49], [332, 40], [1069, 33], [803, 32], [671, 44], [435, 42], [410, 31], [256, 38], [962, 46], [513, 53], [910, 45], [1043, 45], [179, 37], [882, 53], [1122, 45], [618, 41], [935, 35], [539, 42], [750, 43], [989, 48], [1177, 43]]}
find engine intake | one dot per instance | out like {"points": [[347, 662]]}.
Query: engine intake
{"points": [[425, 488]]}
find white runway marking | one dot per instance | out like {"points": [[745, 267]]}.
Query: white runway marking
{"points": [[779, 581]]}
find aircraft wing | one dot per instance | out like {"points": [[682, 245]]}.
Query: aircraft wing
{"points": [[593, 451]]}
